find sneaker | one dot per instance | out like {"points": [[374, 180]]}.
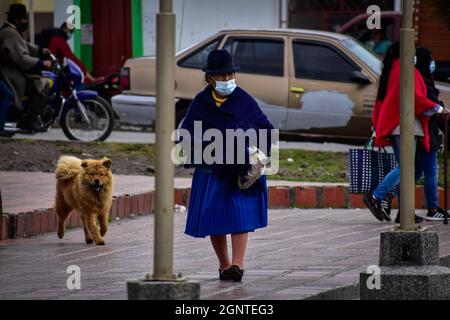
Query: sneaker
{"points": [[439, 215], [374, 206], [416, 218], [386, 205]]}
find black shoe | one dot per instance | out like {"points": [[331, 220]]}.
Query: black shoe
{"points": [[6, 134], [416, 218], [233, 273], [374, 206], [438, 215], [28, 123], [224, 276]]}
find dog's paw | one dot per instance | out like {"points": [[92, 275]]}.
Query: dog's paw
{"points": [[89, 241], [101, 243], [60, 234]]}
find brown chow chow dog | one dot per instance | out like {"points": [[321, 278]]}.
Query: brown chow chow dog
{"points": [[84, 185]]}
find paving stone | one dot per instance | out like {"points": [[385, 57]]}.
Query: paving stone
{"points": [[300, 254]]}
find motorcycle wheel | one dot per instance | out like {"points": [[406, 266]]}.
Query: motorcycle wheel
{"points": [[100, 114]]}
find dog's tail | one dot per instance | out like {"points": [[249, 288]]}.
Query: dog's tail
{"points": [[68, 167]]}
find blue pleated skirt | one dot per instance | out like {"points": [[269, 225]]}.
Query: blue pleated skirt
{"points": [[218, 207]]}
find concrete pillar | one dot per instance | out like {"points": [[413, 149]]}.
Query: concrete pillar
{"points": [[409, 269]]}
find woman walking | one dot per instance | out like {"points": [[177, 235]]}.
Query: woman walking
{"points": [[217, 206], [386, 124], [426, 161]]}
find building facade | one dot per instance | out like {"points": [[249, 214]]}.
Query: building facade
{"points": [[113, 31]]}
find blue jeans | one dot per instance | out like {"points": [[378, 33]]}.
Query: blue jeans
{"points": [[426, 163], [392, 179], [6, 100]]}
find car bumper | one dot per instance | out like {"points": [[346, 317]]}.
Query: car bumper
{"points": [[135, 110]]}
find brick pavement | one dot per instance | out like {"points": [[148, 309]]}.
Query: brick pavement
{"points": [[300, 254]]}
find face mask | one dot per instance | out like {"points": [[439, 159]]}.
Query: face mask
{"points": [[22, 27], [225, 88], [432, 66]]}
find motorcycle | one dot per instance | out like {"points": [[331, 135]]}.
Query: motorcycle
{"points": [[106, 87], [82, 114]]}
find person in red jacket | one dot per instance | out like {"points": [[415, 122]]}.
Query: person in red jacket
{"points": [[58, 45], [386, 125]]}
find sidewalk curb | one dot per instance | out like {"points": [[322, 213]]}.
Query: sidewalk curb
{"points": [[348, 292], [352, 291], [40, 221]]}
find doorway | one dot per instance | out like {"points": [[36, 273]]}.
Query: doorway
{"points": [[112, 35]]}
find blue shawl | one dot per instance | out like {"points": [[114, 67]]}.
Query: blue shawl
{"points": [[239, 111]]}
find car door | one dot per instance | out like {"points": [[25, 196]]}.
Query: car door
{"points": [[323, 97], [262, 73]]}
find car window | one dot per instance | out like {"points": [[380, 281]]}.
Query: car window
{"points": [[359, 31], [320, 62], [377, 40], [257, 56], [199, 58], [368, 57]]}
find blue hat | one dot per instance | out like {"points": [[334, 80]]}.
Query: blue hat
{"points": [[220, 61]]}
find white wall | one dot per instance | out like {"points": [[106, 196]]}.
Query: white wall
{"points": [[61, 15], [149, 11], [199, 19]]}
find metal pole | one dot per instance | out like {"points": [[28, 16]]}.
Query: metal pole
{"points": [[1, 216], [165, 124], [283, 14], [407, 115], [445, 172], [32, 26]]}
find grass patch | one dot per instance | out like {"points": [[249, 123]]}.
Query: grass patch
{"points": [[132, 151], [312, 166], [29, 141], [295, 165], [70, 150], [441, 170]]}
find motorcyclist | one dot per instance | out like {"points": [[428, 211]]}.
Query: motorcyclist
{"points": [[21, 64], [56, 40]]}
